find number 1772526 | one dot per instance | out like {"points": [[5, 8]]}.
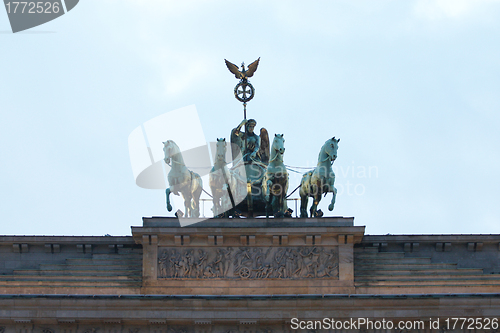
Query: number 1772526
{"points": [[39, 7]]}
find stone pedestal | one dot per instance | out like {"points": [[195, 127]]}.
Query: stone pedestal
{"points": [[248, 256]]}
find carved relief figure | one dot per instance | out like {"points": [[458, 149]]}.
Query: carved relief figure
{"points": [[202, 258], [330, 267], [189, 263], [162, 263], [222, 261], [249, 263]]}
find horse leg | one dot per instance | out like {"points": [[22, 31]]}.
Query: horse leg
{"points": [[217, 206], [316, 199], [279, 206], [268, 189], [167, 193], [304, 197], [303, 205], [195, 205], [196, 198], [334, 195], [314, 207], [275, 206], [226, 205], [279, 200], [187, 205], [284, 203], [215, 202], [195, 208]]}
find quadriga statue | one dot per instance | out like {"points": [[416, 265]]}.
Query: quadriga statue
{"points": [[251, 149], [183, 180], [275, 182], [320, 180], [228, 186]]}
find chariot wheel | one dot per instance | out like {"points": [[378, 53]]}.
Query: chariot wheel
{"points": [[244, 91], [244, 272]]}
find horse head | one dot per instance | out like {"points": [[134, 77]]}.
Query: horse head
{"points": [[220, 150], [169, 149], [279, 144], [331, 147]]}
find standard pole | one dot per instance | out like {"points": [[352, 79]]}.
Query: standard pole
{"points": [[249, 185]]}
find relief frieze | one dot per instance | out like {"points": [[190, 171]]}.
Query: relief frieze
{"points": [[248, 263]]}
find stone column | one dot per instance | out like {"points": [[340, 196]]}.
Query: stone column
{"points": [[149, 258], [346, 255]]}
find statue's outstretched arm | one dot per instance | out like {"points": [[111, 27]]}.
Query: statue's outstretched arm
{"points": [[243, 122]]}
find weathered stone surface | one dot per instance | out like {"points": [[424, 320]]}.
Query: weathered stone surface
{"points": [[248, 256], [113, 266], [149, 313], [323, 258], [149, 282]]}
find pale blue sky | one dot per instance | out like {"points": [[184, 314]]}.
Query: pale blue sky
{"points": [[411, 88]]}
